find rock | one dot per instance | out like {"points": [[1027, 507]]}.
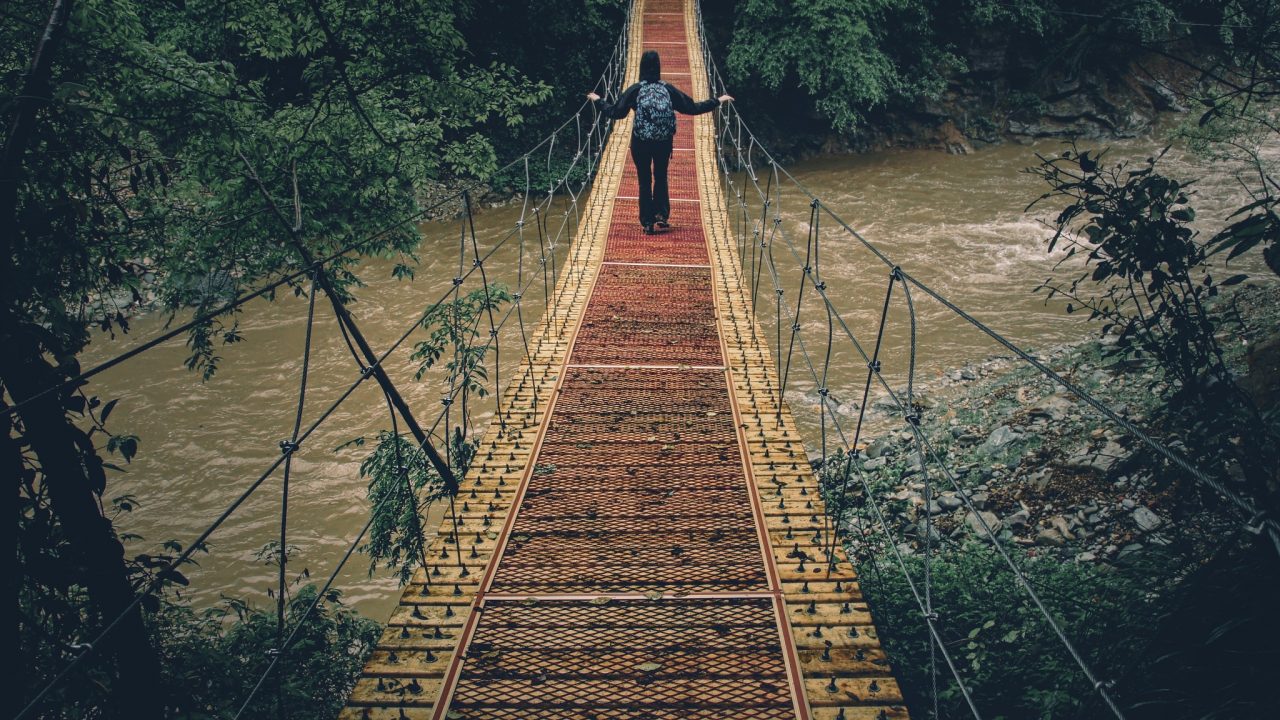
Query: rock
{"points": [[1018, 520], [1039, 480], [989, 518], [980, 500], [882, 446], [1100, 461], [1145, 519], [950, 502], [1054, 407], [934, 508], [874, 464], [968, 374], [999, 438], [1129, 549], [1128, 504], [1063, 526], [1050, 537]]}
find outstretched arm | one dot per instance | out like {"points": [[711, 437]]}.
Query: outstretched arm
{"points": [[684, 104], [626, 102]]}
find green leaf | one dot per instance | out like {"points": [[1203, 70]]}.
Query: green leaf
{"points": [[106, 411]]}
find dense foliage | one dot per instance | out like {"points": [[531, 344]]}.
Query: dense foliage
{"points": [[170, 155], [1012, 663], [1142, 269], [806, 70]]}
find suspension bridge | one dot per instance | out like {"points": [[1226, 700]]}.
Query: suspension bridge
{"points": [[648, 541], [639, 532]]}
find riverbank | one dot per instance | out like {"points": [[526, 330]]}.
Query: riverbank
{"points": [[1043, 470]]}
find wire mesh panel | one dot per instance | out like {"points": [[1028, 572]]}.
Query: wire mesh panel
{"points": [[667, 658], [638, 486], [642, 315]]}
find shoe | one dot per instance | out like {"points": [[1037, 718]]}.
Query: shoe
{"points": [[661, 223], [648, 230]]}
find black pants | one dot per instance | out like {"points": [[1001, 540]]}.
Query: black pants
{"points": [[654, 196]]}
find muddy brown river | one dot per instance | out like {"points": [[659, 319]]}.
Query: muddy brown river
{"points": [[957, 223]]}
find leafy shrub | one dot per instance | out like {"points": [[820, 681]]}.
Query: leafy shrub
{"points": [[1012, 663]]}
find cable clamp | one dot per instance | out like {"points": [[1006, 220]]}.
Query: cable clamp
{"points": [[288, 447], [795, 327], [930, 616], [366, 372], [807, 269], [779, 291], [896, 274], [446, 401], [912, 418], [457, 281], [874, 366], [1257, 523], [821, 287], [516, 297], [493, 332], [1100, 684], [823, 391], [477, 263], [814, 203]]}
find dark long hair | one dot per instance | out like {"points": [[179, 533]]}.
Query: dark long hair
{"points": [[650, 66]]}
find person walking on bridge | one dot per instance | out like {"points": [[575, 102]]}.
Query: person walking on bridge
{"points": [[655, 103]]}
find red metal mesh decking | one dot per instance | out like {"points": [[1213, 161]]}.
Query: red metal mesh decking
{"points": [[682, 244], [647, 315], [637, 486], [690, 658]]}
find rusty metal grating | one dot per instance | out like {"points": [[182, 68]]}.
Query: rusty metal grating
{"points": [[670, 658], [638, 485], [648, 315]]}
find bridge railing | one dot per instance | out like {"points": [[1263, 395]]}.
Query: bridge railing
{"points": [[782, 261], [468, 364]]}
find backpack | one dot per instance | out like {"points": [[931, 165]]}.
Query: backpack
{"points": [[655, 119]]}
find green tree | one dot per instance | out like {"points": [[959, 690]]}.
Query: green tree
{"points": [[169, 156]]}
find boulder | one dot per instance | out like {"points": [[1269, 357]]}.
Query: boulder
{"points": [[989, 518], [1050, 537], [1018, 520], [881, 447], [999, 438], [1145, 519]]}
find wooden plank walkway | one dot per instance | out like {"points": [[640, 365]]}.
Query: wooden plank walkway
{"points": [[645, 541]]}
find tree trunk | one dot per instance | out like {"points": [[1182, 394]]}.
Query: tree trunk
{"points": [[75, 503], [52, 435]]}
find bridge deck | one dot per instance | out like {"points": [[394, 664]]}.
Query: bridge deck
{"points": [[643, 541]]}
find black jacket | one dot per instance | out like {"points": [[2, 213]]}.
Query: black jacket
{"points": [[679, 102]]}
